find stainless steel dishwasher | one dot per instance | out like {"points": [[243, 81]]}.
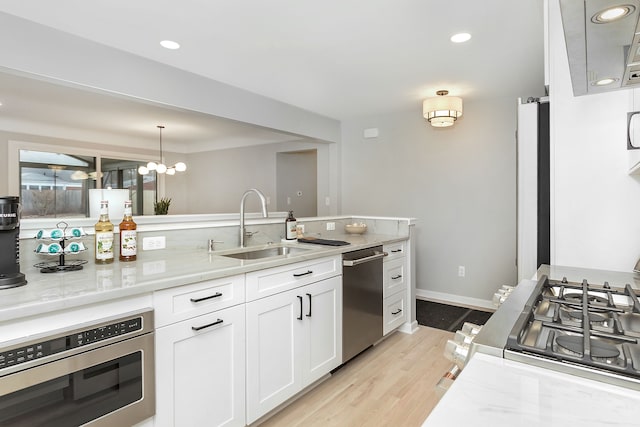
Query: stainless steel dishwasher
{"points": [[361, 300]]}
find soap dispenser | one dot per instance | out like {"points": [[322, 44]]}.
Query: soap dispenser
{"points": [[290, 227]]}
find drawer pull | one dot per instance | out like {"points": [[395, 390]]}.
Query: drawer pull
{"points": [[396, 250], [300, 299], [199, 328], [396, 312], [302, 274], [399, 276], [309, 314], [216, 295]]}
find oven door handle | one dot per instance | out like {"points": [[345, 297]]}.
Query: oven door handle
{"points": [[354, 262]]}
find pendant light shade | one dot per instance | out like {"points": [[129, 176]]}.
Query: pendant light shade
{"points": [[161, 167], [443, 110]]}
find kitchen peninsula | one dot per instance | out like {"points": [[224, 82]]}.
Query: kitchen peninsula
{"points": [[197, 301]]}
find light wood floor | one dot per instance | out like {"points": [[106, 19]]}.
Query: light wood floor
{"points": [[391, 384]]}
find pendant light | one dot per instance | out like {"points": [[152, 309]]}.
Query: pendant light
{"points": [[443, 110], [161, 167]]}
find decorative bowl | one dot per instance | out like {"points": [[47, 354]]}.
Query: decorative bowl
{"points": [[355, 228]]}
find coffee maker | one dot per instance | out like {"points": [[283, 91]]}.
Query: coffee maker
{"points": [[10, 276]]}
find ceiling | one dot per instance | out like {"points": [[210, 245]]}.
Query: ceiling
{"points": [[340, 59]]}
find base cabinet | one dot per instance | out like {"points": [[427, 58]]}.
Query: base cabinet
{"points": [[200, 366], [293, 339]]}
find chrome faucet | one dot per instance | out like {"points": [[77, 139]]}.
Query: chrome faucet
{"points": [[263, 201]]}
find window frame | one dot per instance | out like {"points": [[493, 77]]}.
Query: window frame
{"points": [[13, 161]]}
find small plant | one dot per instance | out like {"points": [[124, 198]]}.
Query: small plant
{"points": [[161, 207]]}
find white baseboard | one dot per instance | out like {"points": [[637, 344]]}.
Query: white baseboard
{"points": [[409, 327], [452, 299]]}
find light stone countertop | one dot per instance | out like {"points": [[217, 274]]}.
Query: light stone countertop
{"points": [[153, 270], [495, 392]]}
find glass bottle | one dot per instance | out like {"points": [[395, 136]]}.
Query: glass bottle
{"points": [[128, 238], [290, 227], [104, 236]]}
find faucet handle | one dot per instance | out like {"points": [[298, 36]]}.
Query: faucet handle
{"points": [[212, 244]]}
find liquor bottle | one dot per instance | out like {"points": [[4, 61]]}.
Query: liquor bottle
{"points": [[290, 227], [128, 238], [104, 236]]}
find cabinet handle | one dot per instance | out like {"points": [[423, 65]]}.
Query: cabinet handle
{"points": [[216, 295], [309, 314], [399, 276], [302, 274], [300, 299], [396, 250], [199, 328], [396, 312]]}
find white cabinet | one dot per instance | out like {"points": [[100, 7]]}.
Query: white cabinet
{"points": [[200, 361], [395, 287], [293, 339]]}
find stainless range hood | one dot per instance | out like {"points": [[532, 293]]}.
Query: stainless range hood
{"points": [[597, 51]]}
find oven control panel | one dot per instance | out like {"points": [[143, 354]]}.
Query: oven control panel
{"points": [[77, 339]]}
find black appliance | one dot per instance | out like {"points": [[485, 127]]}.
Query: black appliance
{"points": [[10, 276]]}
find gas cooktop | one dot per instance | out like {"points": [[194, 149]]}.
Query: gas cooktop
{"points": [[588, 329]]}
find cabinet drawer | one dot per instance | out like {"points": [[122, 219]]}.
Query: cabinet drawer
{"points": [[395, 313], [274, 280], [176, 304], [395, 250], [394, 276]]}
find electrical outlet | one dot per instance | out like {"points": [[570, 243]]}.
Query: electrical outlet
{"points": [[288, 200], [327, 201], [461, 271], [300, 227], [153, 243], [268, 200], [331, 226]]}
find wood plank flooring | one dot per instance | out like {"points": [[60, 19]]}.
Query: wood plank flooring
{"points": [[391, 384]]}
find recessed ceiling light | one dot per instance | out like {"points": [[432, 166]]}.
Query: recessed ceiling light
{"points": [[605, 81], [169, 44], [460, 37], [612, 14]]}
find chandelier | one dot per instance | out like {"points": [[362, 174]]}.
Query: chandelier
{"points": [[161, 167]]}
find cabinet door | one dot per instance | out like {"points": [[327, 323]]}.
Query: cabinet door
{"points": [[274, 327], [200, 370], [323, 328]]}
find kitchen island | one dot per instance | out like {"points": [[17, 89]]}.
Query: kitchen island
{"points": [[220, 339]]}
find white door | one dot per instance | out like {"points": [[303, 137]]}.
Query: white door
{"points": [[274, 328], [323, 328], [200, 374]]}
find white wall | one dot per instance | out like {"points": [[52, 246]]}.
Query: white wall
{"points": [[458, 182], [595, 203]]}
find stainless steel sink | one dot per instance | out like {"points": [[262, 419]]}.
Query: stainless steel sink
{"points": [[265, 252]]}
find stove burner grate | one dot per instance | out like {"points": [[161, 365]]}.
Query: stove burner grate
{"points": [[599, 350]]}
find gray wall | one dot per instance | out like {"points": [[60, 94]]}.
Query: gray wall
{"points": [[215, 180], [297, 182], [459, 183]]}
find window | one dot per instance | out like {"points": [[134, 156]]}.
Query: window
{"points": [[57, 184]]}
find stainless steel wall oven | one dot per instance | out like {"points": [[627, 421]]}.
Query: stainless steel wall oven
{"points": [[98, 374]]}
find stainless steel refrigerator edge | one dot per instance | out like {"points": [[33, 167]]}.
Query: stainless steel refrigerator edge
{"points": [[362, 299]]}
